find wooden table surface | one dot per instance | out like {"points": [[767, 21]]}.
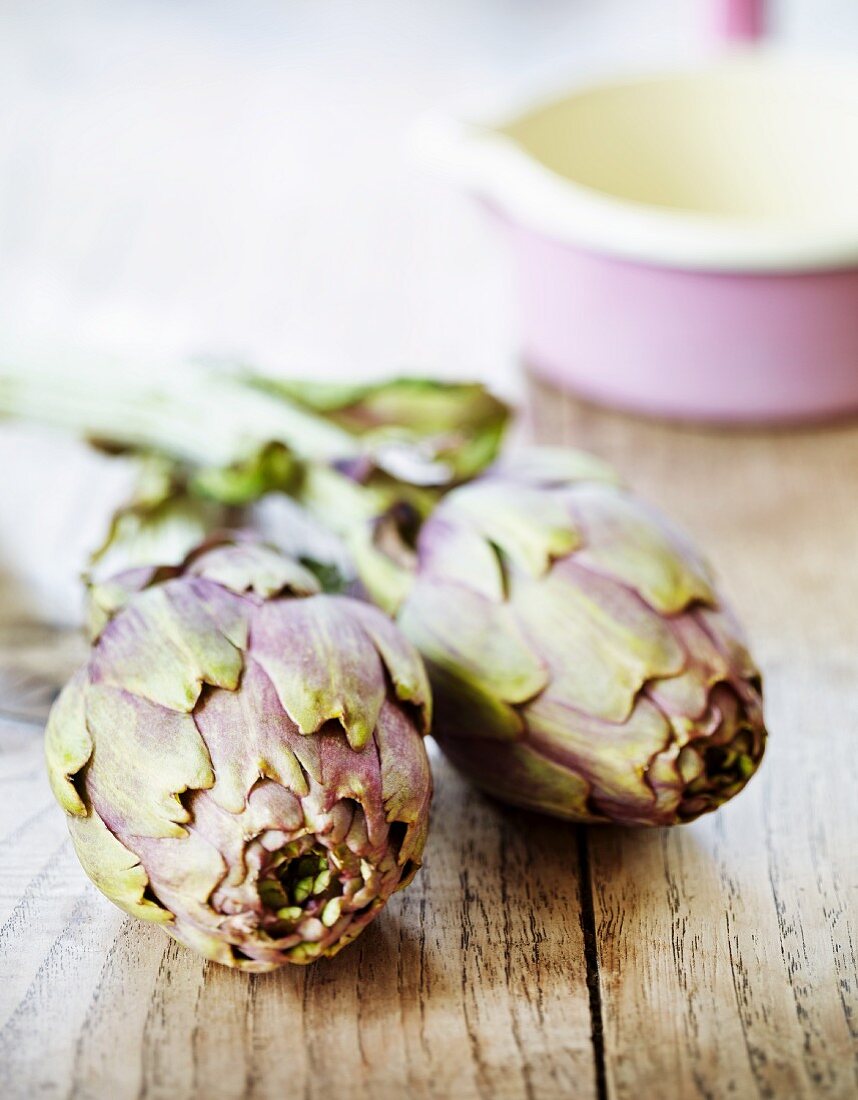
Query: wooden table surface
{"points": [[529, 959]]}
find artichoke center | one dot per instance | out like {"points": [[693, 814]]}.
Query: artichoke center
{"points": [[301, 884], [714, 773]]}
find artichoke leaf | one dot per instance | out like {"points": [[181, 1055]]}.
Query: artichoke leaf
{"points": [[445, 431], [728, 635], [249, 735], [526, 778], [322, 665], [466, 634], [402, 661], [253, 567], [115, 870], [687, 695], [217, 950], [626, 540], [548, 467], [607, 755], [529, 526], [605, 642], [406, 781], [185, 872], [464, 710], [451, 550], [68, 744], [146, 756], [106, 598], [270, 468], [165, 645]]}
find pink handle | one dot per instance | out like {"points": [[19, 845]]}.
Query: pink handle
{"points": [[741, 20]]}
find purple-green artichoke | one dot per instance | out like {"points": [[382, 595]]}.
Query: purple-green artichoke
{"points": [[582, 661], [241, 758]]}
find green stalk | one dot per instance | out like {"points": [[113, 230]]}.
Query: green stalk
{"points": [[369, 461], [191, 414]]}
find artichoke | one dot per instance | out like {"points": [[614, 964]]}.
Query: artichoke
{"points": [[582, 661], [241, 758]]}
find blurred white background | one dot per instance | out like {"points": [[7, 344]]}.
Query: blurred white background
{"points": [[190, 176], [204, 175]]}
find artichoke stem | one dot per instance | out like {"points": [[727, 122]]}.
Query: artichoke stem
{"points": [[186, 411]]}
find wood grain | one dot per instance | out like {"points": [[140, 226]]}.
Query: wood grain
{"points": [[472, 984], [528, 960]]}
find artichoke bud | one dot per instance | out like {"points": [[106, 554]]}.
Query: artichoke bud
{"points": [[583, 662], [382, 549], [241, 758]]}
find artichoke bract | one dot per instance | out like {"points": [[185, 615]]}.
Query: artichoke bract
{"points": [[582, 661], [241, 758]]}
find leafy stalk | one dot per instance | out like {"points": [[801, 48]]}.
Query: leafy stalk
{"points": [[216, 440], [203, 417], [458, 427], [417, 431]]}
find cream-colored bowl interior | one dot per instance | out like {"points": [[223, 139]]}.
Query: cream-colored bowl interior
{"points": [[773, 141]]}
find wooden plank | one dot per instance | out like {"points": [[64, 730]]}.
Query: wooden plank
{"points": [[722, 955], [727, 949], [472, 984]]}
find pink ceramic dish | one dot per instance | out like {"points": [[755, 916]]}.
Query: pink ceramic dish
{"points": [[686, 244]]}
